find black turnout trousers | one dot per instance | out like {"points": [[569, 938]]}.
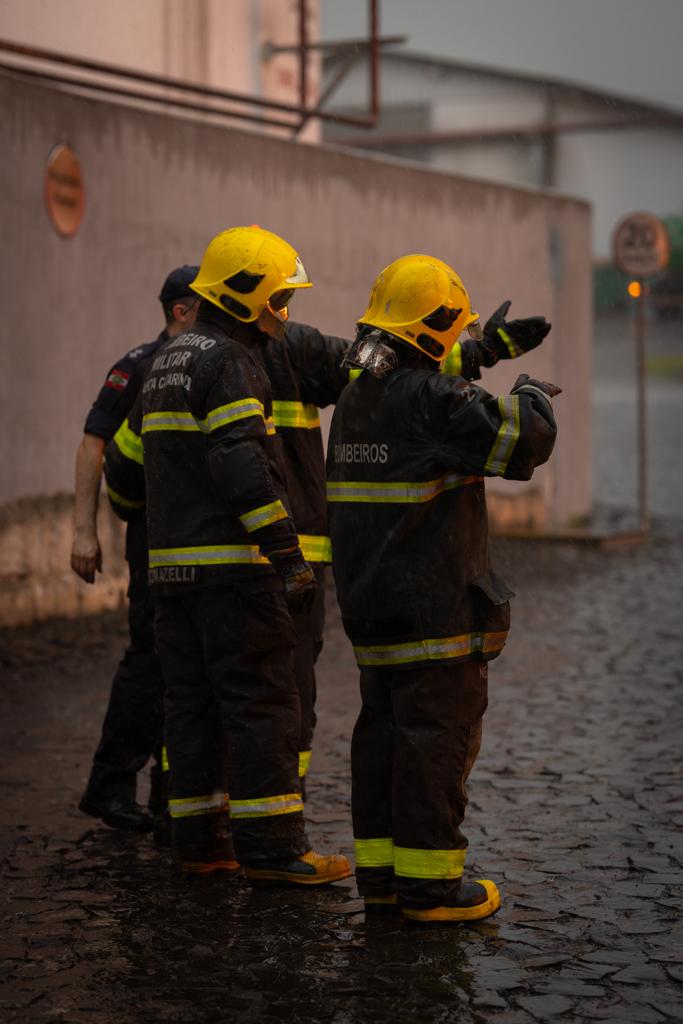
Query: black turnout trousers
{"points": [[232, 723], [414, 744], [133, 724], [309, 627]]}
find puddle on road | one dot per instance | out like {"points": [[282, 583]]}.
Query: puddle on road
{"points": [[136, 942]]}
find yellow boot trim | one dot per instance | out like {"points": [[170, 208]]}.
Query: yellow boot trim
{"points": [[327, 869], [456, 914]]}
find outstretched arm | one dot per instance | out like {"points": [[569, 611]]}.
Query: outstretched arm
{"points": [[501, 339]]}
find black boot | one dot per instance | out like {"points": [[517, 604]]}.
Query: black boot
{"points": [[126, 815], [474, 901]]}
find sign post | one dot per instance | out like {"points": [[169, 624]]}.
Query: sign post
{"points": [[641, 248]]}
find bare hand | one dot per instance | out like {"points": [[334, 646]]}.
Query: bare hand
{"points": [[86, 556]]}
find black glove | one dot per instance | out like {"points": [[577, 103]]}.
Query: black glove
{"points": [[298, 578], [509, 339], [541, 385]]}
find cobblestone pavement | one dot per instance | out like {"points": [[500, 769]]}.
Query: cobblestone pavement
{"points": [[576, 810]]}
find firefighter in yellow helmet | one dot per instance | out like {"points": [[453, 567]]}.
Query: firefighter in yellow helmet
{"points": [[408, 452], [226, 568]]}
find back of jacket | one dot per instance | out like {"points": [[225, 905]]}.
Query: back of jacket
{"points": [[406, 460], [202, 442]]}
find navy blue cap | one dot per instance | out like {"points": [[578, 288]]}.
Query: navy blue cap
{"points": [[177, 284]]}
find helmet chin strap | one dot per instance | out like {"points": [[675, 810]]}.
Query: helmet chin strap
{"points": [[271, 323]]}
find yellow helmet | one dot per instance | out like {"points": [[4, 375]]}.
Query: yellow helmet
{"points": [[422, 301], [248, 270]]}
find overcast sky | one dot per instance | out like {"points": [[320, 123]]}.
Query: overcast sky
{"points": [[629, 47]]}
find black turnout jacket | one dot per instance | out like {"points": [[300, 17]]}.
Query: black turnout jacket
{"points": [[200, 448], [406, 462]]}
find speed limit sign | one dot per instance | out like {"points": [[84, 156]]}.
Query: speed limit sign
{"points": [[641, 245]]}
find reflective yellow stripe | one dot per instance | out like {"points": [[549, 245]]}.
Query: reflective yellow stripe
{"points": [[263, 516], [304, 762], [428, 863], [185, 421], [355, 373], [231, 554], [165, 766], [233, 411], [128, 443], [295, 414], [374, 853], [430, 650], [194, 806], [453, 362], [403, 492], [267, 806], [315, 549], [505, 442], [169, 421], [270, 426], [512, 347], [118, 499]]}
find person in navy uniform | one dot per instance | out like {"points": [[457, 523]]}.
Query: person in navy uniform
{"points": [[132, 727]]}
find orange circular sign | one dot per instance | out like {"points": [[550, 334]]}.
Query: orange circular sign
{"points": [[64, 191]]}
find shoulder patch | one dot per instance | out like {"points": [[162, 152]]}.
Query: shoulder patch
{"points": [[117, 379]]}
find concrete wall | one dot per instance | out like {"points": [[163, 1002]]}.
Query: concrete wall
{"points": [[158, 188]]}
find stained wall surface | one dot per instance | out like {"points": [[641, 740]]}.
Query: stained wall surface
{"points": [[158, 187]]}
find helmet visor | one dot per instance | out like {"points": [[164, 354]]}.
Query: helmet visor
{"points": [[280, 300]]}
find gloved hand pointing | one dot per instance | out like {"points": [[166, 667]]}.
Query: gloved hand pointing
{"points": [[509, 339]]}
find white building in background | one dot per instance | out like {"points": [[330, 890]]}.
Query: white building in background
{"points": [[518, 128], [224, 44]]}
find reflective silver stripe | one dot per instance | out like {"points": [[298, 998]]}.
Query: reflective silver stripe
{"points": [[266, 807], [408, 492], [430, 649], [169, 421], [234, 411], [192, 807], [505, 442], [263, 516], [228, 555]]}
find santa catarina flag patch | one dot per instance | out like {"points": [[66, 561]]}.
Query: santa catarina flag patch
{"points": [[117, 379]]}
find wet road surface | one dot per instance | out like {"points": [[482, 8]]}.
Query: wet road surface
{"points": [[576, 811]]}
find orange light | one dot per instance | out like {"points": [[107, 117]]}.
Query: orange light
{"points": [[635, 289]]}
